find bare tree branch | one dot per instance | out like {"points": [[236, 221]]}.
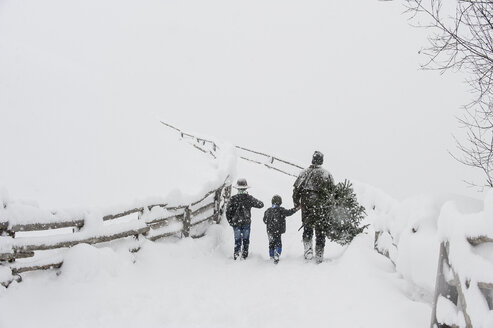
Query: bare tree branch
{"points": [[463, 41]]}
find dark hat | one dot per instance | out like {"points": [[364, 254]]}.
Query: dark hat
{"points": [[242, 184], [318, 158], [277, 200]]}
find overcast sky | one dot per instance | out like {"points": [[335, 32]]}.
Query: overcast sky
{"points": [[284, 77]]}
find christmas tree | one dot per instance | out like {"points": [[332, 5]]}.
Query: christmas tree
{"points": [[345, 215]]}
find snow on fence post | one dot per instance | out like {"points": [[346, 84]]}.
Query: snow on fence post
{"points": [[217, 205], [3, 226], [227, 196], [464, 282], [224, 197], [187, 222], [375, 241], [384, 245], [443, 287]]}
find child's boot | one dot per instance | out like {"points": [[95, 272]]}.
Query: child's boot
{"points": [[277, 254]]}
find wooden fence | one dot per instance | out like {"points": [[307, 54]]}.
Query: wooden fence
{"points": [[210, 147], [448, 285], [153, 221]]}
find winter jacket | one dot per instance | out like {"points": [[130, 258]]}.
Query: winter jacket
{"points": [[312, 184], [275, 219], [313, 191], [238, 211]]}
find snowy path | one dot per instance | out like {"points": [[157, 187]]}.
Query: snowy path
{"points": [[195, 283]]}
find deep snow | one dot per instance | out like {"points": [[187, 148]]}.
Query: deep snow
{"points": [[79, 81], [174, 276], [196, 283]]}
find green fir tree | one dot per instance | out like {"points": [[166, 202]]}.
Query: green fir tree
{"points": [[345, 215]]}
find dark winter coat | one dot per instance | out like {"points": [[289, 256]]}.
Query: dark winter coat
{"points": [[275, 219], [313, 190], [238, 211]]}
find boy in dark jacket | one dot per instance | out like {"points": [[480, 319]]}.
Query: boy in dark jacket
{"points": [[239, 216], [275, 219]]}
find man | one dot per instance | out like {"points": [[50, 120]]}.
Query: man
{"points": [[313, 191], [239, 216]]}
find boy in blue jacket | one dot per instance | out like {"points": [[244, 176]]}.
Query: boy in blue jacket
{"points": [[275, 219]]}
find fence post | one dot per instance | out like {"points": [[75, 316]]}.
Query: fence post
{"points": [[226, 197], [375, 242], [442, 287], [187, 221], [217, 205]]}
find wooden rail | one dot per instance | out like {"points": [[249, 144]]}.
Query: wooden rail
{"points": [[206, 209], [271, 158], [269, 161], [45, 226]]}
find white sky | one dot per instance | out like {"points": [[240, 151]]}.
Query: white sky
{"points": [[284, 77]]}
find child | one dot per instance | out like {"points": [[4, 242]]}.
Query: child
{"points": [[275, 219], [239, 216]]}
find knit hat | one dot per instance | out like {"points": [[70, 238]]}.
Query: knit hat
{"points": [[277, 200], [318, 158]]}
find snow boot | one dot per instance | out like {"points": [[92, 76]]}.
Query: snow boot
{"points": [[277, 254], [236, 255], [319, 254], [308, 250], [244, 252]]}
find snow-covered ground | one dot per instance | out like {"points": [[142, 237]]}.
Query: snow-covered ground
{"points": [[196, 283], [82, 85]]}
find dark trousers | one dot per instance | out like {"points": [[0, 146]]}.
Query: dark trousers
{"points": [[312, 216], [242, 237], [275, 243], [319, 235]]}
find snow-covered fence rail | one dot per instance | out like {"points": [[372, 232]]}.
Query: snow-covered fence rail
{"points": [[152, 221], [464, 282], [210, 147], [454, 292], [269, 161], [462, 292], [384, 244], [204, 145]]}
